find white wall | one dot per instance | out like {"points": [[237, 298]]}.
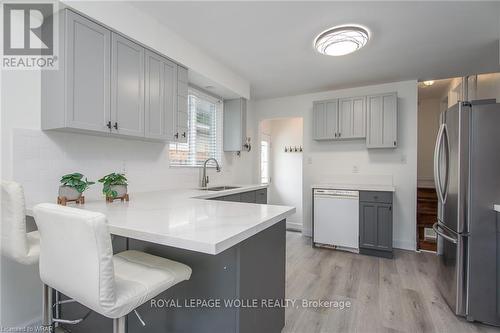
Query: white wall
{"points": [[335, 161], [285, 168], [428, 126]]}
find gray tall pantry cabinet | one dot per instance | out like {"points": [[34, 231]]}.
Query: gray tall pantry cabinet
{"points": [[107, 83]]}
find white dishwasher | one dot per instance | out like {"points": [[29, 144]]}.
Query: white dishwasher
{"points": [[336, 219]]}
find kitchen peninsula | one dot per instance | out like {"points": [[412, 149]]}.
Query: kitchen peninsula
{"points": [[235, 249]]}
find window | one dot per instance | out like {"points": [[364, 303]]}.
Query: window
{"points": [[265, 147], [204, 138]]}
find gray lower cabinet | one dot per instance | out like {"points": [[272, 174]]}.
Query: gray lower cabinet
{"points": [[127, 86], [375, 224], [258, 196], [261, 196], [160, 96]]}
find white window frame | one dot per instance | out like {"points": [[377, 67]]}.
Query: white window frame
{"points": [[192, 131]]}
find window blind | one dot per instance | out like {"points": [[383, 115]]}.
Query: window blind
{"points": [[204, 136]]}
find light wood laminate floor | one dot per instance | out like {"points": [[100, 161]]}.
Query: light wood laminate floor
{"points": [[386, 295]]}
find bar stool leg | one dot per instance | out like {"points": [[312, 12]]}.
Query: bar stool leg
{"points": [[47, 309], [120, 325]]}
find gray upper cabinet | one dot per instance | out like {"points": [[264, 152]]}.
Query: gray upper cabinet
{"points": [[382, 121], [127, 86], [325, 120], [371, 117], [160, 96], [78, 94], [107, 83], [352, 118], [234, 127], [181, 116]]}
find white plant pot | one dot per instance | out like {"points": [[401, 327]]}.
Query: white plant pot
{"points": [[70, 193], [121, 190]]}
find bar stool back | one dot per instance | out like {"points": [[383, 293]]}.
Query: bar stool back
{"points": [[76, 258]]}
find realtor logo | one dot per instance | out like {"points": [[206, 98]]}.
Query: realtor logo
{"points": [[28, 36]]}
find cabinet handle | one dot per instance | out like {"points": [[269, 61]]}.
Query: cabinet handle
{"points": [[394, 143], [108, 125], [116, 126], [335, 134], [340, 134], [176, 135], [184, 134]]}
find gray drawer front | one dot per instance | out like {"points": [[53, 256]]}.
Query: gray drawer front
{"points": [[261, 196], [375, 196]]}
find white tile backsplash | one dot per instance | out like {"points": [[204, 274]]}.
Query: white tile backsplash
{"points": [[40, 158]]}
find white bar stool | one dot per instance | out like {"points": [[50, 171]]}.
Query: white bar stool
{"points": [[17, 244], [76, 258]]}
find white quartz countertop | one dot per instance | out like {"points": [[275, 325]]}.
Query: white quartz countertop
{"points": [[182, 219], [357, 187], [497, 208]]}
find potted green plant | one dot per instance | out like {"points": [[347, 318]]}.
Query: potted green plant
{"points": [[73, 186], [114, 185]]}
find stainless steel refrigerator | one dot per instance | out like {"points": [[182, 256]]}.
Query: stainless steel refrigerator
{"points": [[467, 179]]}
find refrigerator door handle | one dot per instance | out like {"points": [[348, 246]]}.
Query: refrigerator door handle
{"points": [[435, 227], [437, 159]]}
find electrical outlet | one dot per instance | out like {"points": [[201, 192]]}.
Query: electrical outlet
{"points": [[403, 158], [309, 160], [355, 169]]}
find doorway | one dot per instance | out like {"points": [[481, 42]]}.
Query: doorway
{"points": [[281, 147]]}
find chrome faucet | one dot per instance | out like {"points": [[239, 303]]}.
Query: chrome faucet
{"points": [[204, 179]]}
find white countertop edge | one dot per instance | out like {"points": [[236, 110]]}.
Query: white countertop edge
{"points": [[202, 247], [497, 208], [356, 187]]}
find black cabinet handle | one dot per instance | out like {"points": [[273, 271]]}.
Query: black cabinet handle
{"points": [[335, 134], [108, 125], [340, 134], [394, 143], [184, 134], [116, 126], [176, 135]]}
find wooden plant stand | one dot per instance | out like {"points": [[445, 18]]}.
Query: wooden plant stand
{"points": [[63, 200], [122, 198]]}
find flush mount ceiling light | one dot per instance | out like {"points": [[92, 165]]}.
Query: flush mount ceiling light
{"points": [[428, 83], [341, 40]]}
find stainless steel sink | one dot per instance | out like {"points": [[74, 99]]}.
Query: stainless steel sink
{"points": [[220, 188]]}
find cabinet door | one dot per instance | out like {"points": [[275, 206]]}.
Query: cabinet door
{"points": [[127, 88], [359, 117], [181, 115], [233, 197], [346, 118], [382, 121], [368, 225], [332, 119], [375, 226], [325, 120], [160, 96], [261, 196], [384, 227], [319, 120], [248, 197], [87, 74]]}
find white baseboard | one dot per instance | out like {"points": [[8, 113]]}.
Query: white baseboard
{"points": [[404, 244], [307, 232], [294, 226]]}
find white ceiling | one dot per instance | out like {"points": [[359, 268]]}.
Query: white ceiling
{"points": [[270, 43], [437, 90]]}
